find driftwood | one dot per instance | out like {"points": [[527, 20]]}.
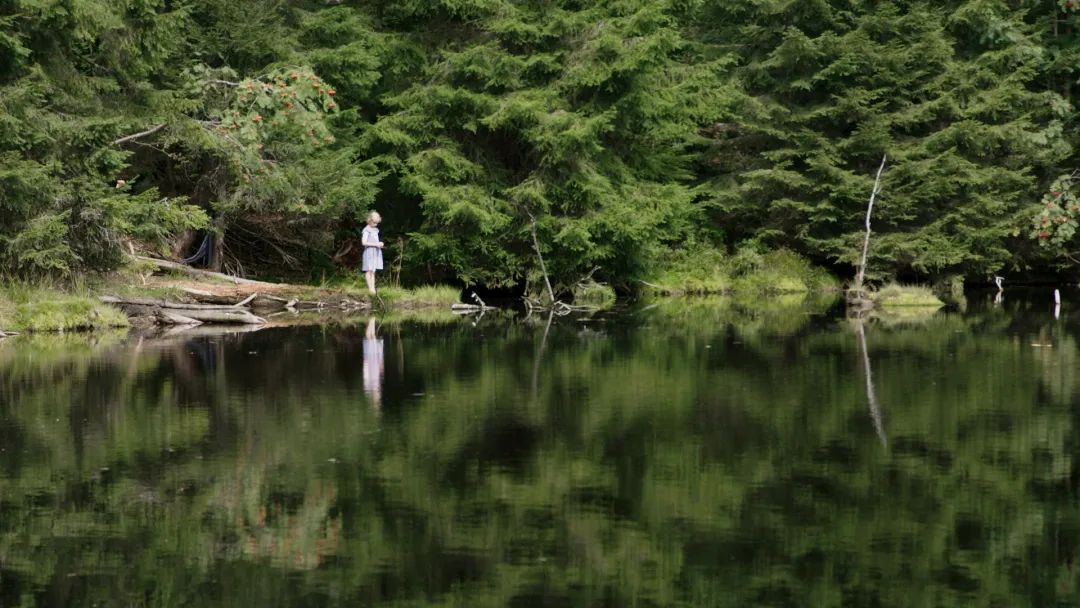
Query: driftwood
{"points": [[202, 295], [469, 308], [480, 306], [167, 265], [177, 305], [170, 318], [182, 313]]}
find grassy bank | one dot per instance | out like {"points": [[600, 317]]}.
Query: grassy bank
{"points": [[905, 296], [425, 296], [702, 271], [36, 309], [44, 307]]}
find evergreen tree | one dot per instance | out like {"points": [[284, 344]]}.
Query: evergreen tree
{"points": [[72, 76], [571, 118], [945, 89]]}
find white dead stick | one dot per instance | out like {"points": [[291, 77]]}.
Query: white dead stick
{"points": [[866, 240], [540, 257]]}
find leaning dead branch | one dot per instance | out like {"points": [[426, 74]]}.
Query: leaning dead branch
{"points": [[140, 134], [557, 307], [540, 258], [857, 293]]}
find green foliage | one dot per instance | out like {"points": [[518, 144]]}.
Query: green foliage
{"points": [[41, 309], [579, 117], [73, 75], [618, 132], [896, 295], [424, 296], [1054, 223], [697, 270], [780, 271], [947, 90], [592, 293], [704, 270]]}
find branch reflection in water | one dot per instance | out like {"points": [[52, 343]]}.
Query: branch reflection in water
{"points": [[871, 395]]}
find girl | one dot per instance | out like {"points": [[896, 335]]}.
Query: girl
{"points": [[372, 260]]}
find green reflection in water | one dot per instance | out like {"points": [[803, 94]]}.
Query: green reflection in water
{"points": [[688, 452]]}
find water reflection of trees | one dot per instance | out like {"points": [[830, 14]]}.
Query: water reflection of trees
{"points": [[717, 456]]}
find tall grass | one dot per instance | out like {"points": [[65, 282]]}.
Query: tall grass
{"points": [[895, 294], [704, 270], [415, 297], [44, 307]]}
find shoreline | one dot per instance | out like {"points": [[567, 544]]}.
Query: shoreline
{"points": [[140, 300]]}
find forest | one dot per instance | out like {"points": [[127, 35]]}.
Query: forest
{"points": [[622, 137]]}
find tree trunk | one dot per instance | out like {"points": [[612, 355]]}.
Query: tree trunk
{"points": [[176, 305], [217, 253]]}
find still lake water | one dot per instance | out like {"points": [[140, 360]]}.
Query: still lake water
{"points": [[688, 453]]}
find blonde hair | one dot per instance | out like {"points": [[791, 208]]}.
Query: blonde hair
{"points": [[373, 215]]}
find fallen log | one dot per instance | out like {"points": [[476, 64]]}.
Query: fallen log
{"points": [[219, 316], [165, 317], [202, 293], [268, 302], [196, 272], [167, 304], [179, 313], [470, 307]]}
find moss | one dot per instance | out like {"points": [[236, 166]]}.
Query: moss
{"points": [[896, 295]]}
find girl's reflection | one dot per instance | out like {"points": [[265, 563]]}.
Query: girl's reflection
{"points": [[373, 364]]}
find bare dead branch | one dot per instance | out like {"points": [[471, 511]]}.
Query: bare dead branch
{"points": [[138, 135]]}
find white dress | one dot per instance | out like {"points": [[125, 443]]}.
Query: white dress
{"points": [[372, 259]]}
